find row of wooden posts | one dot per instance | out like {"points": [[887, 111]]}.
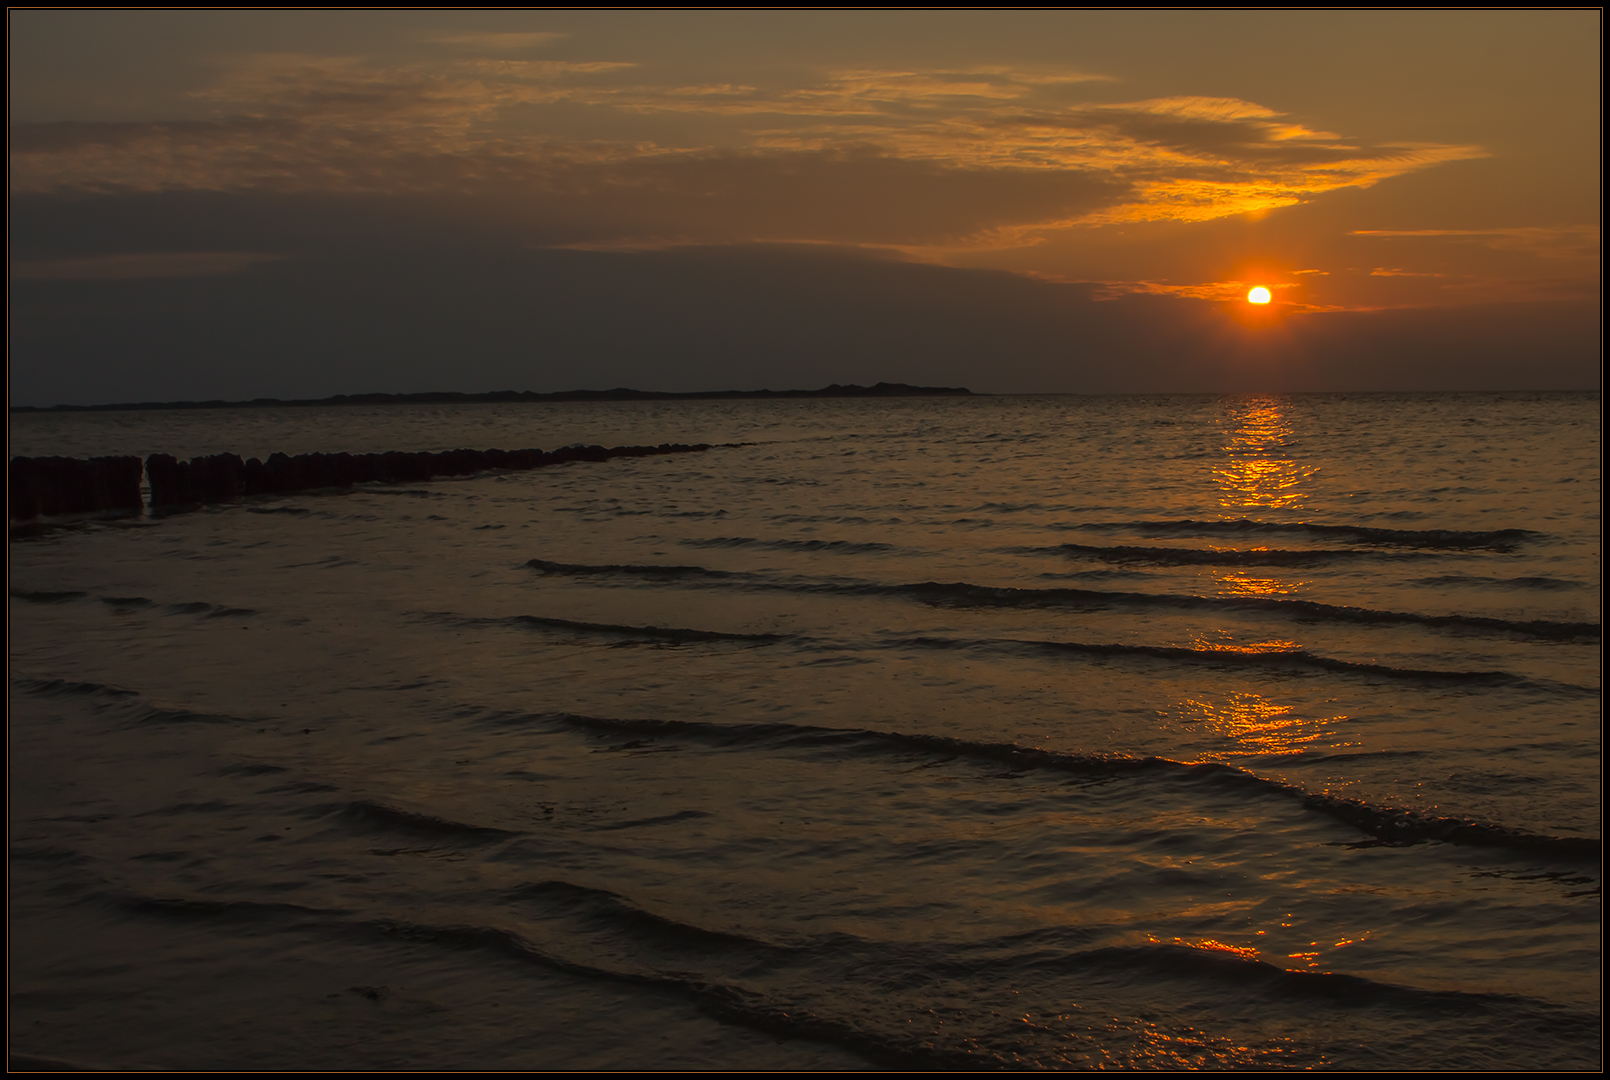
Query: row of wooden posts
{"points": [[50, 486]]}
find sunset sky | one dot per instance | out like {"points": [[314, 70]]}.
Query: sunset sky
{"points": [[297, 203]]}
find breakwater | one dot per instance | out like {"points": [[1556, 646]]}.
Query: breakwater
{"points": [[49, 486]]}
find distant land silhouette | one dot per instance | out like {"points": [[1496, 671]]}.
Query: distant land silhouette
{"points": [[882, 389]]}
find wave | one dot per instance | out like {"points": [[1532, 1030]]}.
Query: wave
{"points": [[1268, 660], [858, 971], [194, 608], [673, 634], [156, 714], [51, 687], [849, 547], [1058, 949], [370, 815], [144, 714], [1284, 660], [617, 910], [1465, 581], [1176, 960], [251, 768], [1385, 824], [728, 1002], [20, 1062], [47, 596], [658, 819], [1499, 539], [1166, 556], [189, 908], [966, 594], [725, 1001], [211, 611]]}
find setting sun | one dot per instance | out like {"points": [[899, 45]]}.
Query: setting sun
{"points": [[1259, 295]]}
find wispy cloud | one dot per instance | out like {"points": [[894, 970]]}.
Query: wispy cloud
{"points": [[148, 264], [1388, 271], [322, 123], [493, 41], [1556, 241], [1207, 290]]}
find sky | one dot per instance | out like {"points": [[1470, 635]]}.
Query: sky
{"points": [[235, 204]]}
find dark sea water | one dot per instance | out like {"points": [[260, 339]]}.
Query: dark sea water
{"points": [[1026, 732]]}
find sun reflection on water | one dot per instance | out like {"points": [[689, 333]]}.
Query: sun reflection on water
{"points": [[1236, 583], [1225, 642], [1259, 474], [1252, 724], [1313, 958]]}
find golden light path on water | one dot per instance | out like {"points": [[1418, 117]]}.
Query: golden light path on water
{"points": [[1258, 475]]}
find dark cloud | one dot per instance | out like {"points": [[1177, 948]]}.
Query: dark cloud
{"points": [[893, 145], [361, 316], [830, 197]]}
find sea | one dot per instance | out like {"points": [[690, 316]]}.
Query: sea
{"points": [[1013, 732]]}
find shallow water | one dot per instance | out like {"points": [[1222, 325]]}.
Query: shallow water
{"points": [[1025, 732]]}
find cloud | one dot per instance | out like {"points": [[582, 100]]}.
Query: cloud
{"points": [[1556, 242], [494, 41], [875, 93], [138, 265], [1221, 291], [306, 123], [381, 316]]}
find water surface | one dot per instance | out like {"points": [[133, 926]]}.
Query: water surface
{"points": [[1024, 732]]}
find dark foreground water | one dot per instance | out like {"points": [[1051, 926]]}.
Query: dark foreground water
{"points": [[1023, 732]]}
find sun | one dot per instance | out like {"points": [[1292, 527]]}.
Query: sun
{"points": [[1258, 295]]}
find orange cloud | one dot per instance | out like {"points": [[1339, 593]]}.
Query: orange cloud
{"points": [[1210, 290], [1559, 241], [494, 41], [291, 122]]}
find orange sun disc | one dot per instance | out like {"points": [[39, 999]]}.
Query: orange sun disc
{"points": [[1259, 295]]}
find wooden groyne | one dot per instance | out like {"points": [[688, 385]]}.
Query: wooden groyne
{"points": [[47, 486], [50, 486]]}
